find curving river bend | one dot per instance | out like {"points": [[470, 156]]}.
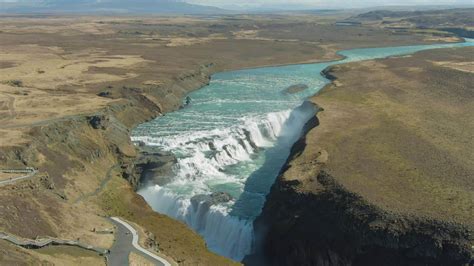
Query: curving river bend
{"points": [[234, 137]]}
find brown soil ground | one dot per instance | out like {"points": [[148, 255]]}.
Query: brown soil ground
{"points": [[398, 132], [384, 175], [12, 255], [6, 176], [52, 69]]}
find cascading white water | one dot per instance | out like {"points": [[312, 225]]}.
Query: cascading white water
{"points": [[234, 138], [224, 234], [208, 154]]}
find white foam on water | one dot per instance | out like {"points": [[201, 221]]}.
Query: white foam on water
{"points": [[224, 234], [206, 156], [210, 150]]}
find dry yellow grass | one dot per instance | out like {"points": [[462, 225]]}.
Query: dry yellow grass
{"points": [[137, 260], [5, 176], [54, 255], [52, 70], [48, 67], [174, 238], [397, 132], [461, 66], [64, 255], [179, 41]]}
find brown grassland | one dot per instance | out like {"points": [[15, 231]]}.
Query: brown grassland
{"points": [[398, 132], [53, 68]]}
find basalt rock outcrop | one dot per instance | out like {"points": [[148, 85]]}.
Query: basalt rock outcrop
{"points": [[346, 196], [337, 227], [295, 88], [152, 167], [212, 199], [75, 143]]}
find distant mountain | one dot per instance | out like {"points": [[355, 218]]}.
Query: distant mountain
{"points": [[107, 6], [447, 18]]}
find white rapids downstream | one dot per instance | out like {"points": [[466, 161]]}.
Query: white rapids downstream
{"points": [[232, 140]]}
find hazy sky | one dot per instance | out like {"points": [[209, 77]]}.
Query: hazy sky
{"points": [[325, 3], [314, 3]]}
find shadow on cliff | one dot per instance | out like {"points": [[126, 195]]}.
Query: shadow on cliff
{"points": [[258, 185]]}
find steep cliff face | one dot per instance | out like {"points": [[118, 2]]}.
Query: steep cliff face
{"points": [[157, 102], [374, 182], [80, 160], [336, 227], [71, 141]]}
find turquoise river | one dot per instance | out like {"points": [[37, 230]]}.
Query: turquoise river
{"points": [[233, 138]]}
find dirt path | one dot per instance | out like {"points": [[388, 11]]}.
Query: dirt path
{"points": [[44, 242], [104, 182], [40, 123]]}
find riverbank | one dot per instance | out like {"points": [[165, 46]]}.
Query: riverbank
{"points": [[384, 179], [223, 130], [88, 142], [73, 87]]}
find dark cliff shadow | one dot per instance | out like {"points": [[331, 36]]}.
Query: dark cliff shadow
{"points": [[259, 183]]}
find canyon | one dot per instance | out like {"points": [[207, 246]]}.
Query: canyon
{"points": [[376, 180], [73, 88]]}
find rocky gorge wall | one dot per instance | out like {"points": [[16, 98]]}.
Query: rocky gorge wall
{"points": [[131, 107], [73, 154], [336, 227], [310, 218]]}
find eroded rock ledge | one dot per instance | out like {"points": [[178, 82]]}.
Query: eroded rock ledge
{"points": [[337, 227], [345, 197], [64, 150]]}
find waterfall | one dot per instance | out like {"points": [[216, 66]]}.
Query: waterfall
{"points": [[226, 235], [202, 169], [231, 140], [206, 154]]}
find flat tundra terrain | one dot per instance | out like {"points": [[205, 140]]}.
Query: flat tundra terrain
{"points": [[386, 176], [401, 132], [71, 89]]}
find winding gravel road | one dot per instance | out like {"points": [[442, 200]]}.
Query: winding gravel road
{"points": [[126, 240]]}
